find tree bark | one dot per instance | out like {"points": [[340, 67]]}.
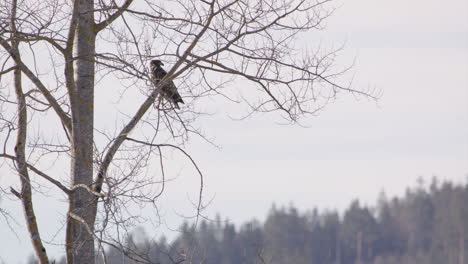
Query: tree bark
{"points": [[80, 226], [20, 149], [26, 193]]}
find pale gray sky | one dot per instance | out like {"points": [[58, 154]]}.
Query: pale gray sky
{"points": [[416, 52]]}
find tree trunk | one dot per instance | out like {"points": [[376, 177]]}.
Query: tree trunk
{"points": [[461, 250], [80, 226], [359, 248], [20, 149], [26, 193]]}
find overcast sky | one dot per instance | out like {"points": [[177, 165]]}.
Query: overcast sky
{"points": [[416, 52]]}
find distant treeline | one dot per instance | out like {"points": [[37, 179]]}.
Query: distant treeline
{"points": [[429, 225]]}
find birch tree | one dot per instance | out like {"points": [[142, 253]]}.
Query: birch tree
{"points": [[56, 53]]}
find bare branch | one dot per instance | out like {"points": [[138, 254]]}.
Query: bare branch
{"points": [[40, 173], [199, 205], [22, 169], [86, 187], [121, 138], [114, 16], [45, 92]]}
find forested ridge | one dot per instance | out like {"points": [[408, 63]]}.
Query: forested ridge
{"points": [[426, 225]]}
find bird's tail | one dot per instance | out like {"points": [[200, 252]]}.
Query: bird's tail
{"points": [[177, 99]]}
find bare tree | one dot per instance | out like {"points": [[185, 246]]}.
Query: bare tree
{"points": [[55, 53]]}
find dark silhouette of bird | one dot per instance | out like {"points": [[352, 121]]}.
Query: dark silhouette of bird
{"points": [[169, 90]]}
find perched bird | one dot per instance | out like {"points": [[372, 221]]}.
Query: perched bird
{"points": [[169, 90]]}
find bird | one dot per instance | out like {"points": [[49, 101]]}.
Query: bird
{"points": [[169, 90]]}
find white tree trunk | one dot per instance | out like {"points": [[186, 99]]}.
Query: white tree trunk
{"points": [[80, 242]]}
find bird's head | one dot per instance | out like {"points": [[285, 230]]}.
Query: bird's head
{"points": [[157, 63]]}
